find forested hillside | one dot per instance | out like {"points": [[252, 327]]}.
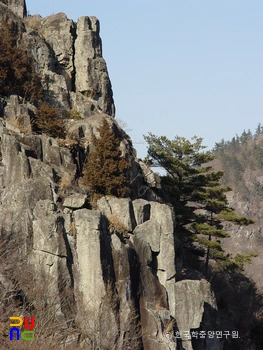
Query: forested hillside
{"points": [[241, 159]]}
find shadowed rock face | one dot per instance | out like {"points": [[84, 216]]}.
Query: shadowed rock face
{"points": [[111, 270]]}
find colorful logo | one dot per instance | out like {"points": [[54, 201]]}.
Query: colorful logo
{"points": [[15, 331]]}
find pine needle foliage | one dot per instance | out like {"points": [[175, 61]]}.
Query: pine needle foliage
{"points": [[17, 73], [194, 189], [105, 170]]}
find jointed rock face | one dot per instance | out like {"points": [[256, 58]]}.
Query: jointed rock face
{"points": [[111, 274], [68, 55]]}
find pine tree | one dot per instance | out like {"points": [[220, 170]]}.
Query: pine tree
{"points": [[104, 171], [258, 130], [182, 161], [195, 191]]}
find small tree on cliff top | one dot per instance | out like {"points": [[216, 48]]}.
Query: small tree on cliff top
{"points": [[104, 171]]}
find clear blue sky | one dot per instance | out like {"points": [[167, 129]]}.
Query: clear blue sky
{"points": [[179, 67]]}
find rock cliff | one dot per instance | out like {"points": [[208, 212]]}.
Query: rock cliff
{"points": [[105, 276]]}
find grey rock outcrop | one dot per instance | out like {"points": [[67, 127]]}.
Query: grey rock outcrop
{"points": [[88, 229], [107, 274], [60, 33], [74, 69], [150, 232], [120, 208], [142, 210], [190, 304], [152, 179], [75, 201], [138, 273], [16, 6], [92, 78]]}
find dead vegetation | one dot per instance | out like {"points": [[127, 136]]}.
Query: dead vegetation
{"points": [[17, 71], [110, 327], [34, 22], [66, 182], [21, 124], [48, 119], [116, 226], [25, 293]]}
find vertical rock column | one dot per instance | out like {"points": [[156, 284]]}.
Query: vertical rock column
{"points": [[59, 32], [92, 78], [95, 276], [88, 250]]}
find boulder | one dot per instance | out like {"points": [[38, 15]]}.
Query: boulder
{"points": [[18, 114], [75, 201]]}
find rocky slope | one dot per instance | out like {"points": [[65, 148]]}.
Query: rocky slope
{"points": [[109, 276]]}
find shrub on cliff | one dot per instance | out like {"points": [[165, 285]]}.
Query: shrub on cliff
{"points": [[104, 171], [17, 73], [48, 120]]}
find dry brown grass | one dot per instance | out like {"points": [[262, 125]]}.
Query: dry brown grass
{"points": [[72, 229], [66, 182], [169, 327], [33, 21], [116, 225], [98, 331], [67, 142], [21, 125], [32, 294]]}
